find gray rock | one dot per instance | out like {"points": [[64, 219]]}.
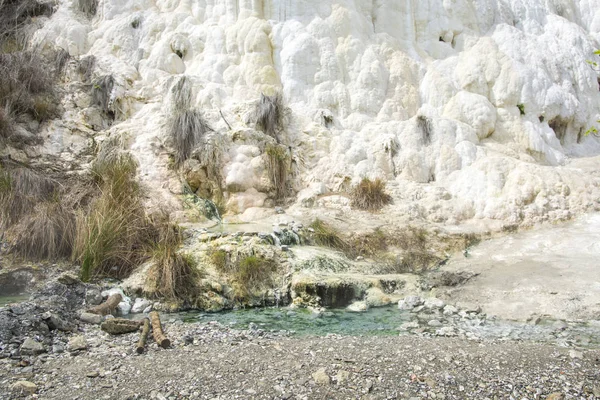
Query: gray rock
{"points": [[450, 310], [409, 325], [148, 309], [434, 323], [58, 348], [434, 304], [31, 347], [321, 377], [24, 387], [55, 322], [90, 318], [410, 302], [77, 343], [140, 305], [68, 278], [93, 297]]}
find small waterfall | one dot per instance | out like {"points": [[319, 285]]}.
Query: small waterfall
{"points": [[205, 206]]}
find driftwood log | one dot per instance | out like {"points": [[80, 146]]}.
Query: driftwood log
{"points": [[143, 336], [108, 306], [157, 332], [117, 326]]}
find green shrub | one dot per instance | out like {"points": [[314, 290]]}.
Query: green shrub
{"points": [[370, 195]]}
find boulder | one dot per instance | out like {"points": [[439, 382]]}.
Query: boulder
{"points": [[410, 302], [434, 304], [140, 305], [90, 318], [31, 347], [77, 343], [24, 387]]}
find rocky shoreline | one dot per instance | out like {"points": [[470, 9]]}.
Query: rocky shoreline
{"points": [[48, 349]]}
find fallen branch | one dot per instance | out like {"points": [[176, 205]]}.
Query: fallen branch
{"points": [[222, 116], [157, 332], [108, 306], [117, 326], [143, 336]]}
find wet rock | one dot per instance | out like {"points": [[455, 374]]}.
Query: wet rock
{"points": [[321, 377], [77, 343], [24, 387], [31, 347], [358, 306], [140, 305]]}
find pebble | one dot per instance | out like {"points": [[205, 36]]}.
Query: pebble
{"points": [[24, 387], [321, 377]]}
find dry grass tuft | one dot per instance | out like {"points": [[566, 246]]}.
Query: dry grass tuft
{"points": [[186, 129], [173, 275], [27, 85], [325, 235], [113, 234], [47, 233], [370, 195], [247, 273], [20, 190], [278, 167], [15, 16], [271, 115], [88, 7]]}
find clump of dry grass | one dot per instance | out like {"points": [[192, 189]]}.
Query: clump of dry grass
{"points": [[27, 85], [247, 273], [20, 190], [325, 235], [173, 275], [46, 233], [370, 195], [278, 167], [113, 233], [88, 7], [15, 16], [186, 129], [271, 115]]}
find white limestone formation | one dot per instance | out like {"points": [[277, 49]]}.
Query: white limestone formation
{"points": [[468, 109]]}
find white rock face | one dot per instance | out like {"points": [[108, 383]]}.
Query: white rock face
{"points": [[421, 94]]}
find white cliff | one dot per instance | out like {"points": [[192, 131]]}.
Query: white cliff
{"points": [[468, 109]]}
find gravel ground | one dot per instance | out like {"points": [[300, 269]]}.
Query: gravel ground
{"points": [[210, 361]]}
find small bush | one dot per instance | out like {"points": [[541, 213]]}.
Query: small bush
{"points": [[278, 167], [370, 195], [220, 259], [186, 129], [173, 275], [325, 235], [271, 115]]}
